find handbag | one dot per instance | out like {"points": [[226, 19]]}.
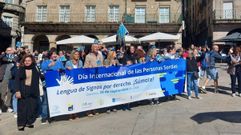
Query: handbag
{"points": [[41, 88], [231, 70], [196, 75]]}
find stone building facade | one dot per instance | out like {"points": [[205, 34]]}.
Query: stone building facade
{"points": [[210, 20], [49, 21], [226, 18], [11, 13]]}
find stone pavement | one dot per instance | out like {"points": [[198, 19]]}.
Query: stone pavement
{"points": [[215, 114]]}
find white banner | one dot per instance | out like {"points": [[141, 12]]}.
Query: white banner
{"points": [[74, 98]]}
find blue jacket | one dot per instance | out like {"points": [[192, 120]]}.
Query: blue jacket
{"points": [[70, 64], [213, 56], [45, 65]]}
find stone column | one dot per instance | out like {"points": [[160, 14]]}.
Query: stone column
{"points": [[13, 44], [52, 41], [52, 44], [27, 40]]}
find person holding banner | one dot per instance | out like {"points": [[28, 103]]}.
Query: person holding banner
{"points": [[151, 57], [74, 61], [111, 59], [49, 64], [130, 56], [62, 57], [52, 63], [171, 53], [94, 58], [27, 92], [140, 55]]}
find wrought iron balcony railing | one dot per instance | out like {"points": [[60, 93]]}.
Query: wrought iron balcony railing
{"points": [[233, 15], [102, 18]]}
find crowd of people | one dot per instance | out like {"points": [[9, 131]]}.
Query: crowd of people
{"points": [[22, 81]]}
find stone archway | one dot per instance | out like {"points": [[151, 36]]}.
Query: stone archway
{"points": [[40, 43]]}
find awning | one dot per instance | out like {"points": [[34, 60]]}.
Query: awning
{"points": [[77, 40], [159, 37], [234, 37], [112, 39]]}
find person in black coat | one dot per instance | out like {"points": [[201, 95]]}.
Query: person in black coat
{"points": [[130, 56], [27, 92]]}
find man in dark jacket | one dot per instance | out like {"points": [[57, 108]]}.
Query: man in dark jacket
{"points": [[7, 61]]}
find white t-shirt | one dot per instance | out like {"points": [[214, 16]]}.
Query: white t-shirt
{"points": [[75, 66]]}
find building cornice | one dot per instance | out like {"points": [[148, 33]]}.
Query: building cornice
{"points": [[7, 7]]}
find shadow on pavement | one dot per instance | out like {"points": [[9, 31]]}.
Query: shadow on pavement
{"points": [[225, 88], [222, 90], [233, 117]]}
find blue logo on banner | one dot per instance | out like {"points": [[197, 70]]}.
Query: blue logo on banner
{"points": [[70, 108]]}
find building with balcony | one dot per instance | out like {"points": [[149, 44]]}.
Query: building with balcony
{"points": [[210, 20], [226, 18], [10, 31], [49, 21]]}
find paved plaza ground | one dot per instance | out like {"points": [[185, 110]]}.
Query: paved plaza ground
{"points": [[215, 114]]}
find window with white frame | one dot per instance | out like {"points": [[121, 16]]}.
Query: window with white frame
{"points": [[140, 15], [64, 13], [8, 21], [41, 15], [113, 13], [90, 13], [9, 1], [164, 15], [228, 10]]}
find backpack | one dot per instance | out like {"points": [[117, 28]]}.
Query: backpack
{"points": [[205, 63]]}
